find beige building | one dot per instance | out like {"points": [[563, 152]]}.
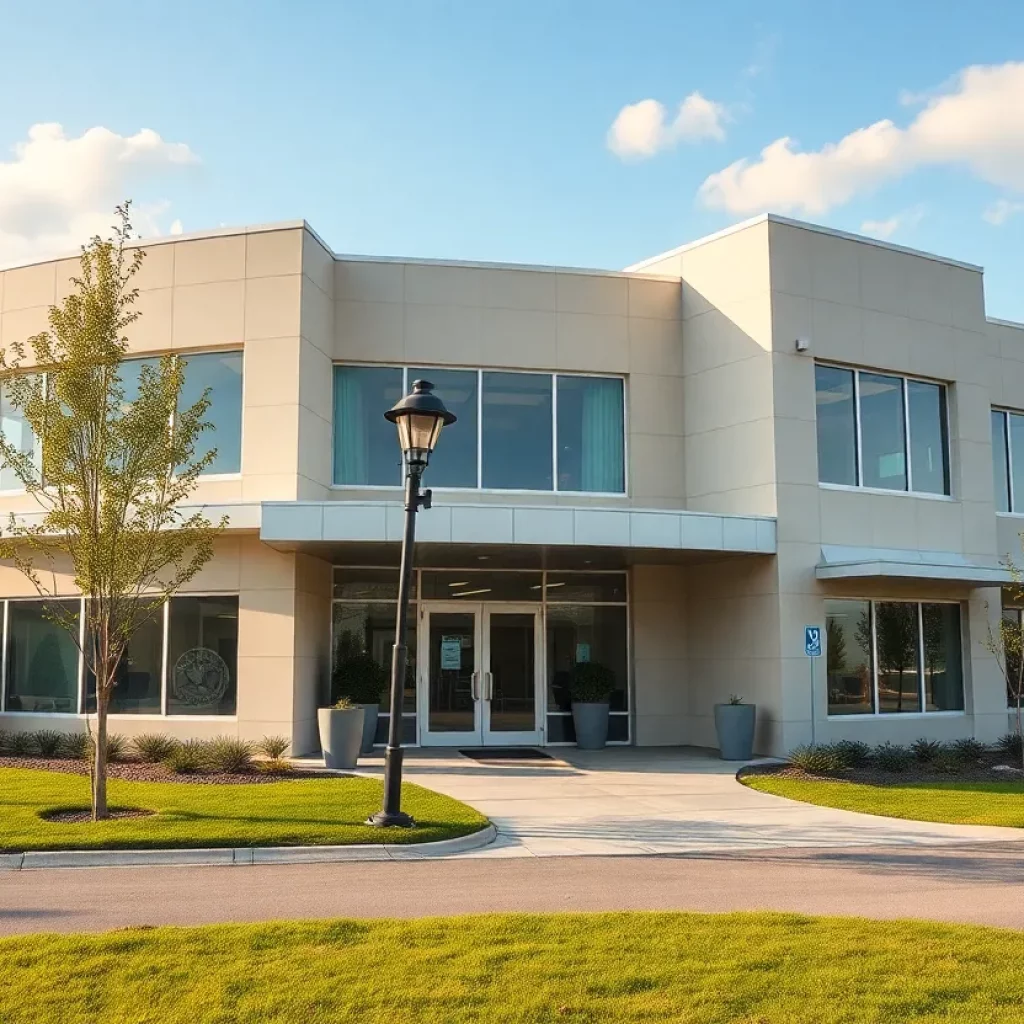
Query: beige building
{"points": [[671, 470]]}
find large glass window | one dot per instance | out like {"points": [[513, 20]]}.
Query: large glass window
{"points": [[202, 656], [138, 683], [848, 643], [1008, 460], [507, 436], [837, 425], [365, 445], [1014, 673], [369, 628], [1000, 460], [893, 657], [453, 464], [582, 633], [221, 373], [883, 455], [882, 431], [516, 438], [590, 437], [17, 433], [42, 660]]}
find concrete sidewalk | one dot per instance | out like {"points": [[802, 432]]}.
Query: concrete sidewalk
{"points": [[642, 800]]}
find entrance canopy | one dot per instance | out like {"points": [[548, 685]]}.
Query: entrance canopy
{"points": [[635, 535], [846, 563]]}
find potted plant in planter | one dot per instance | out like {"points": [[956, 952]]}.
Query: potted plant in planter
{"points": [[361, 679], [734, 724], [592, 684], [341, 733]]}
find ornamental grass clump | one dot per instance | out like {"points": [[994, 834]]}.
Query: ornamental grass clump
{"points": [[273, 747], [852, 753], [274, 766], [22, 744], [1011, 745], [229, 755], [968, 751], [153, 747], [892, 757], [925, 750], [48, 742], [75, 745], [188, 758], [816, 760]]}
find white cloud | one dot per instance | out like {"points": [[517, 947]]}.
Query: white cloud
{"points": [[642, 129], [999, 212], [977, 122], [57, 191], [175, 228], [897, 222]]}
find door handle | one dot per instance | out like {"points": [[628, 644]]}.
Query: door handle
{"points": [[474, 685], [489, 685]]}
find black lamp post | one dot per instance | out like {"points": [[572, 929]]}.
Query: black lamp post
{"points": [[419, 418]]}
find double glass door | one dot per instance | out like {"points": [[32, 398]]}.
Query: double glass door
{"points": [[479, 682]]}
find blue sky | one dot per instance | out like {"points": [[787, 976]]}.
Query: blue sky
{"points": [[480, 130]]}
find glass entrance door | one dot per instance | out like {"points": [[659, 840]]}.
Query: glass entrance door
{"points": [[479, 681]]}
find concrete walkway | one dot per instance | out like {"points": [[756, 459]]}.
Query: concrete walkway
{"points": [[641, 801]]}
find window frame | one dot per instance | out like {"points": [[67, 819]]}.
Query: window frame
{"points": [[184, 354], [1006, 413], [553, 375], [899, 715], [905, 381], [81, 696]]}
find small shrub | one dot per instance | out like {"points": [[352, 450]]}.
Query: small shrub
{"points": [[592, 683], [49, 742], [273, 747], [153, 747], [188, 758], [359, 677], [969, 750], [1010, 745], [814, 759], [344, 704], [22, 744], [945, 762], [926, 750], [227, 754], [275, 766], [117, 748], [892, 757], [853, 753], [5, 741], [76, 745]]}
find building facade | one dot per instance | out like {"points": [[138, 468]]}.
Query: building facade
{"points": [[670, 470]]}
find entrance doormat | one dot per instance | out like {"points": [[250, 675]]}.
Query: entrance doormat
{"points": [[506, 754]]}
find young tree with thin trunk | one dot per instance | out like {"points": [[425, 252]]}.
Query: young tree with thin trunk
{"points": [[110, 466], [1006, 645]]}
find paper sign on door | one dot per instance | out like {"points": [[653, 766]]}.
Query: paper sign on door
{"points": [[451, 653]]}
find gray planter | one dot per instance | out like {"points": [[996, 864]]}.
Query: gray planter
{"points": [[591, 721], [341, 735], [734, 724], [370, 712]]}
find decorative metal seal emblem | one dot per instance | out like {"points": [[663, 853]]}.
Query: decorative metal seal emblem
{"points": [[201, 676]]}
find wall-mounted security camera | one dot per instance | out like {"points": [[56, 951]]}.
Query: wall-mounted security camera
{"points": [[802, 345]]}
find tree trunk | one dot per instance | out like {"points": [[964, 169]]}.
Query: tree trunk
{"points": [[1020, 732], [99, 774]]}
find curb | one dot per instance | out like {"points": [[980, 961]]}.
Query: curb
{"points": [[246, 856]]}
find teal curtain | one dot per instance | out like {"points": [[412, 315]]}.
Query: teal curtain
{"points": [[603, 462], [350, 440]]}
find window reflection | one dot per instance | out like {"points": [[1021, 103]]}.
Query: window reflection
{"points": [[517, 448]]}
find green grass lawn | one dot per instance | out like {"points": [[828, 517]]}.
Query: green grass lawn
{"points": [[293, 813], [958, 803], [622, 968]]}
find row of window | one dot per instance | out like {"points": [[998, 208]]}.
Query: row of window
{"points": [[877, 430], [220, 372], [516, 431], [892, 657], [183, 662]]}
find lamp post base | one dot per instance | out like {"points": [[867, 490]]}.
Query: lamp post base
{"points": [[384, 819]]}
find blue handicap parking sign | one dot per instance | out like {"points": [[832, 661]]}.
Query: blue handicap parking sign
{"points": [[812, 641]]}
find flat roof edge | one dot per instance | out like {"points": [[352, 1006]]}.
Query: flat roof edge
{"points": [[1015, 324]]}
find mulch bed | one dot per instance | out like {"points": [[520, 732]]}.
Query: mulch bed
{"points": [[77, 817], [983, 771], [136, 771]]}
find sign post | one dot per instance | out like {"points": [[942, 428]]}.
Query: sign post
{"points": [[812, 648]]}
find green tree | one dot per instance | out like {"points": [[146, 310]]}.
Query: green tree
{"points": [[110, 476], [1006, 644]]}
